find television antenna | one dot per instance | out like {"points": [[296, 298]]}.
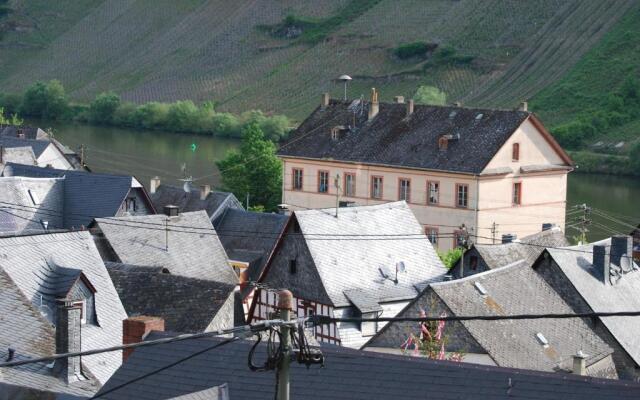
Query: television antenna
{"points": [[345, 80], [187, 179]]}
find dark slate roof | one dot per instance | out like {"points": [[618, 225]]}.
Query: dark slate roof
{"points": [[18, 155], [185, 304], [57, 281], [23, 329], [194, 249], [363, 300], [29, 132], [392, 139], [250, 237], [86, 195], [214, 204], [511, 290], [348, 374], [38, 146]]}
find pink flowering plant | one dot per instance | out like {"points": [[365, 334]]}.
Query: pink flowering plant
{"points": [[430, 342]]}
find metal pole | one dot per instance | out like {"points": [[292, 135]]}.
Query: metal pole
{"points": [[345, 90], [285, 300], [337, 185]]}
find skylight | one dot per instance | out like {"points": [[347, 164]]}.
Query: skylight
{"points": [[479, 116]]}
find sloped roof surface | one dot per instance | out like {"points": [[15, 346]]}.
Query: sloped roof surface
{"points": [[86, 195], [365, 240], [577, 264], [194, 248], [214, 204], [29, 132], [19, 155], [392, 139], [348, 374], [26, 260], [38, 146], [185, 304]]}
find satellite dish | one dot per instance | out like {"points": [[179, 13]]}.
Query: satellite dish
{"points": [[344, 78], [187, 186], [626, 264], [400, 267]]}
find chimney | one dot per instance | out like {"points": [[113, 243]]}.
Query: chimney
{"points": [[325, 100], [135, 329], [68, 339], [171, 211], [621, 246], [399, 99], [153, 186], [409, 108], [601, 262], [508, 238], [204, 191], [443, 142], [374, 107], [579, 363], [524, 106]]}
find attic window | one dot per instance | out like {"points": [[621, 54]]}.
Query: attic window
{"points": [[293, 267], [337, 132], [543, 340], [34, 197], [480, 288]]}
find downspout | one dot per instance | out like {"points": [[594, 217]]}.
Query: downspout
{"points": [[477, 230]]}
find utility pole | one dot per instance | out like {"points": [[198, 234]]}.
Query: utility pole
{"points": [[585, 221], [82, 163], [336, 183], [285, 300], [494, 229]]}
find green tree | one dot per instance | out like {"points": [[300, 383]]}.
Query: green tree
{"points": [[103, 107], [12, 120], [430, 95], [634, 156], [45, 100], [254, 169], [451, 257]]}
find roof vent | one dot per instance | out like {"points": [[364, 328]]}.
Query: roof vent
{"points": [[543, 340], [171, 211], [480, 288]]}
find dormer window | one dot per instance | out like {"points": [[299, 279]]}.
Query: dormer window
{"points": [[337, 132], [515, 152]]}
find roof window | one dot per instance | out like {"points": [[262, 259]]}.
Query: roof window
{"points": [[479, 116], [543, 340]]}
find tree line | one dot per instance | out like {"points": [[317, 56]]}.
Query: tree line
{"points": [[48, 100]]}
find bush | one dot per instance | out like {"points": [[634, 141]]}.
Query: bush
{"points": [[151, 115], [45, 100], [11, 102], [415, 49], [451, 257], [103, 107], [430, 95], [225, 125]]}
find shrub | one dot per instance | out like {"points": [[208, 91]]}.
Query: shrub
{"points": [[11, 102], [430, 95], [634, 157], [45, 100], [103, 108], [415, 49], [151, 115], [225, 125]]}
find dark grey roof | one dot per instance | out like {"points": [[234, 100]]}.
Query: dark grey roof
{"points": [[250, 237], [214, 204], [392, 139], [38, 146], [30, 335], [86, 195], [511, 290], [348, 374], [576, 263], [19, 155], [363, 300], [29, 132], [185, 304], [27, 260], [194, 249], [57, 281]]}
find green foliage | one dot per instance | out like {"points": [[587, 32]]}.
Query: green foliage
{"points": [[634, 157], [11, 102], [604, 163], [414, 50], [430, 95], [448, 56], [450, 258], [253, 170], [12, 120], [45, 100], [103, 108]]}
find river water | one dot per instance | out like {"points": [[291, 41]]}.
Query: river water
{"points": [[615, 200]]}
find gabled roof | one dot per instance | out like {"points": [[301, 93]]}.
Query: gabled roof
{"points": [[348, 374], [19, 155], [86, 195], [350, 251], [185, 304], [576, 263], [215, 203], [250, 237], [393, 139], [57, 281], [29, 132], [27, 260], [30, 335], [38, 146], [194, 249]]}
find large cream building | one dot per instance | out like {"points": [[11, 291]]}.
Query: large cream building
{"points": [[498, 172]]}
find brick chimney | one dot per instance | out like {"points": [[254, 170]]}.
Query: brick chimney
{"points": [[135, 329], [524, 106], [410, 106], [155, 183], [68, 339], [204, 191], [601, 262], [399, 99], [579, 363], [325, 100], [374, 106]]}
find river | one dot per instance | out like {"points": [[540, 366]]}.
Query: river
{"points": [[614, 200]]}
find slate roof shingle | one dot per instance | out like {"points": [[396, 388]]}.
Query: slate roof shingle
{"points": [[215, 203], [348, 374], [392, 139], [38, 146], [194, 249], [185, 304]]}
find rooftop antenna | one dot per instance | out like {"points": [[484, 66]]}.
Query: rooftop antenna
{"points": [[187, 179], [345, 80]]}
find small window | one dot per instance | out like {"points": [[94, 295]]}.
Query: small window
{"points": [[432, 234], [83, 310], [323, 181], [516, 152], [293, 267], [376, 187], [130, 204], [433, 192], [34, 197], [349, 184], [517, 193], [462, 196], [297, 179], [404, 189]]}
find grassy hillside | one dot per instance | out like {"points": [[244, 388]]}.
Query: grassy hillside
{"points": [[279, 55]]}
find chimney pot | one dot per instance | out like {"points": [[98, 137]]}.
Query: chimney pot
{"points": [[171, 211], [325, 100], [374, 106], [410, 105], [155, 183], [135, 329], [579, 363], [399, 99], [285, 300], [524, 106], [68, 339], [601, 262], [204, 191]]}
